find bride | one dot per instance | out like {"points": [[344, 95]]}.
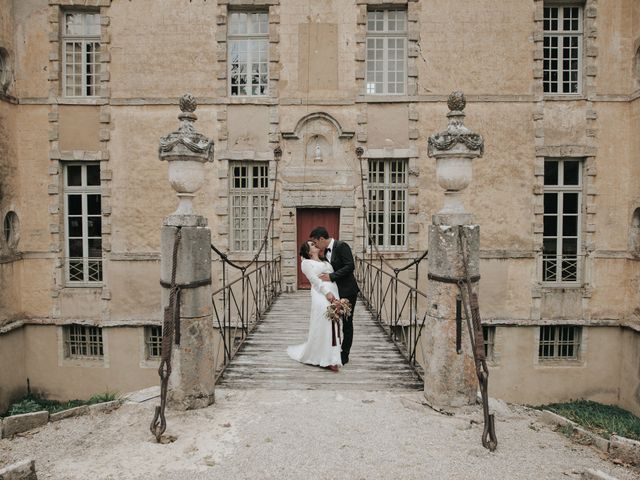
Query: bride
{"points": [[318, 349]]}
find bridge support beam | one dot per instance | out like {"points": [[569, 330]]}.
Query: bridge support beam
{"points": [[192, 380], [450, 378]]}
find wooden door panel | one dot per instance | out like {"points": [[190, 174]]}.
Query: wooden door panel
{"points": [[306, 220]]}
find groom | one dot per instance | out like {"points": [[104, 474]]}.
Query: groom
{"points": [[339, 255]]}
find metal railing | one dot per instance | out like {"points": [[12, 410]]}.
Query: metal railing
{"points": [[238, 306], [398, 306]]}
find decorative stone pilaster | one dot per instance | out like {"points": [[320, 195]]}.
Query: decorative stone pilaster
{"points": [[450, 379]]}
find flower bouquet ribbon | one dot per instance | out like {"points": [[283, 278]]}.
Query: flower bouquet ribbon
{"points": [[336, 311]]}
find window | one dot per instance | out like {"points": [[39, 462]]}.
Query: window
{"points": [[81, 54], [5, 70], [81, 341], [561, 342], [489, 334], [249, 192], [387, 207], [248, 55], [562, 49], [386, 52], [153, 341], [11, 229], [83, 219], [562, 218]]}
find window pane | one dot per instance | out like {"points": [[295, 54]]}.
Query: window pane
{"points": [[93, 174], [74, 175], [93, 204], [550, 225], [74, 227], [571, 172], [74, 203], [570, 202], [550, 203], [551, 172]]}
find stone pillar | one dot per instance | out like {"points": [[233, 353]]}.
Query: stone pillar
{"points": [[450, 377], [192, 380]]}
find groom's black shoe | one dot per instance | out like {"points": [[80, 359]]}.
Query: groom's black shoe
{"points": [[345, 359]]}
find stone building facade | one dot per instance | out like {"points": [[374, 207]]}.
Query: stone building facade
{"points": [[88, 86]]}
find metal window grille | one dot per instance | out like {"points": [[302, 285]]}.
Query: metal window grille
{"points": [[560, 342], [83, 341], [249, 192], [387, 205], [153, 341], [489, 333], [81, 54], [562, 219], [83, 223], [248, 54], [386, 71], [562, 49]]}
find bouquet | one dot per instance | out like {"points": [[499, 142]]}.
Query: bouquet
{"points": [[338, 309]]}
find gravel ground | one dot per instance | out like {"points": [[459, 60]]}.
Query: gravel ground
{"points": [[262, 434]]}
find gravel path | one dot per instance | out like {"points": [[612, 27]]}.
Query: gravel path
{"points": [[262, 434]]}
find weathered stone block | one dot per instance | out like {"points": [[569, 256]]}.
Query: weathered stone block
{"points": [[72, 412], [22, 423]]}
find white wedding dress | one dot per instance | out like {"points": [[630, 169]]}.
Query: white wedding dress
{"points": [[318, 349]]}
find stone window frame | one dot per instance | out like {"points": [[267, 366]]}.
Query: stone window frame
{"points": [[83, 190], [561, 189], [85, 40], [589, 192], [91, 362], [589, 54], [248, 38], [387, 186], [413, 48], [578, 344], [561, 34], [251, 193], [385, 35], [413, 225]]}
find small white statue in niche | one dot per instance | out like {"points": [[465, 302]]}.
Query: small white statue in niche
{"points": [[317, 148]]}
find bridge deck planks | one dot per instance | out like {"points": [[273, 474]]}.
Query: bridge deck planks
{"points": [[374, 364]]}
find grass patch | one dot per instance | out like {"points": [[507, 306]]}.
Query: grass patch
{"points": [[34, 403], [599, 418]]}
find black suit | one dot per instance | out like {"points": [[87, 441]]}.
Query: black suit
{"points": [[343, 267]]}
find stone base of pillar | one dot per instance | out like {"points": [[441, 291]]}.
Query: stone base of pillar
{"points": [[192, 381], [450, 379]]}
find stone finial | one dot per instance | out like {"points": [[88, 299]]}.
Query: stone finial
{"points": [[188, 103], [187, 151], [457, 136], [454, 149], [185, 143], [456, 101]]}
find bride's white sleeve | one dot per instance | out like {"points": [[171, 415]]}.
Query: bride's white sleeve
{"points": [[311, 273]]}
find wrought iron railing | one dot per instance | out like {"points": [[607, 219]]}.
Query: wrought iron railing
{"points": [[398, 306], [238, 306]]}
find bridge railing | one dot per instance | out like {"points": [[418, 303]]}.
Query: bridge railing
{"points": [[239, 305], [397, 305]]}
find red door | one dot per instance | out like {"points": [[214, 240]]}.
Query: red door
{"points": [[306, 220]]}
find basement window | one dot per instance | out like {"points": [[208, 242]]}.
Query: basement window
{"points": [[83, 341], [489, 334], [559, 342], [153, 342], [11, 230]]}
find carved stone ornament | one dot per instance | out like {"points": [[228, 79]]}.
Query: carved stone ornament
{"points": [[186, 143], [456, 133], [186, 151]]}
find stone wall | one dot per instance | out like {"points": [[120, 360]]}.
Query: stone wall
{"points": [[630, 371], [13, 379], [155, 51]]}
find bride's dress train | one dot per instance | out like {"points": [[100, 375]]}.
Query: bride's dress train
{"points": [[318, 349]]}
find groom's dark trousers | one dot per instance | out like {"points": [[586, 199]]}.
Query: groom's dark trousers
{"points": [[343, 267]]}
